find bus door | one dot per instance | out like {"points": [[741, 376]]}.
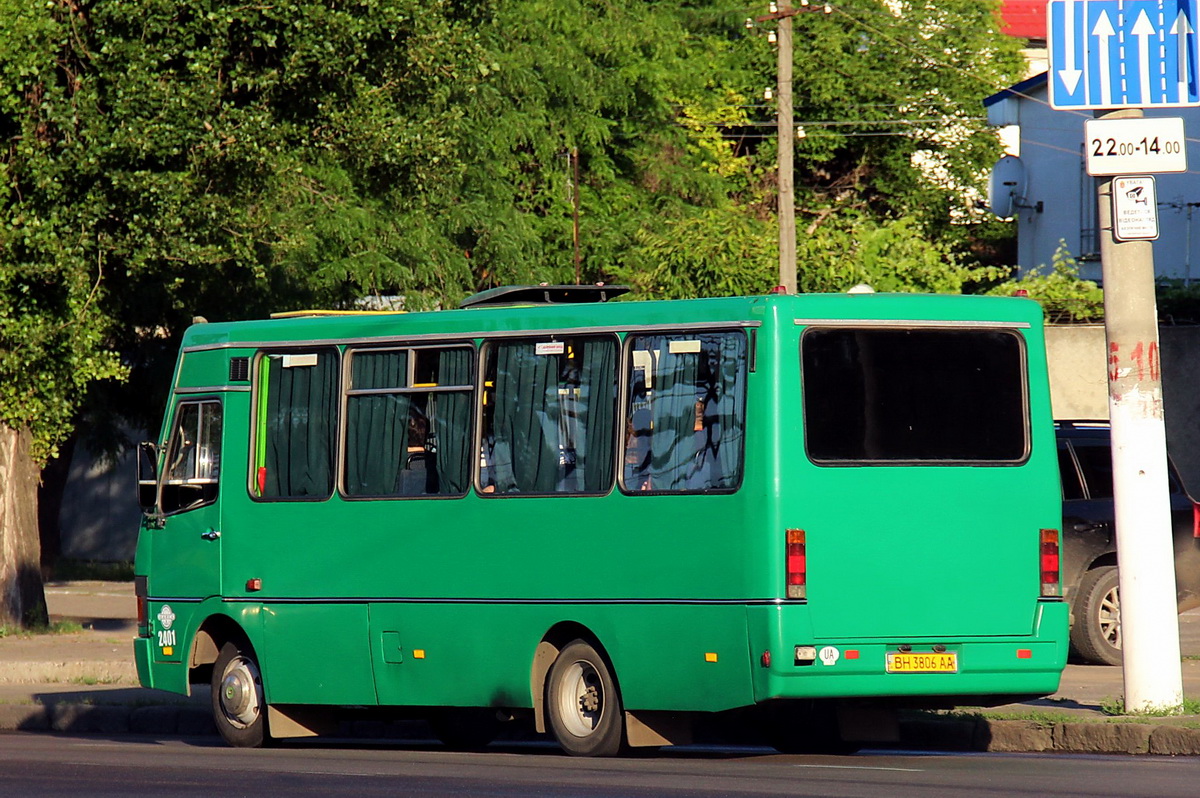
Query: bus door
{"points": [[186, 546]]}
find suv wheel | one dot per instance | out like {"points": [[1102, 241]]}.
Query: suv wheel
{"points": [[1096, 632]]}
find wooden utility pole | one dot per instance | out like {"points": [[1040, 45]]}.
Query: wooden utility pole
{"points": [[575, 213], [786, 132]]}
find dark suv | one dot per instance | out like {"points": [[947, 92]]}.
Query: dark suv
{"points": [[1089, 564]]}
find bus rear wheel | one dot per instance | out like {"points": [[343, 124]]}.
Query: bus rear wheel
{"points": [[239, 709], [584, 704]]}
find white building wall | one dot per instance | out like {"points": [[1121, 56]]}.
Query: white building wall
{"points": [[1051, 147]]}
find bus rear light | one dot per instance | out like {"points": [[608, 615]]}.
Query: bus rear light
{"points": [[1024, 653], [797, 565], [1195, 520], [1051, 577], [141, 593]]}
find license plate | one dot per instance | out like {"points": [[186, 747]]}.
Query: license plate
{"points": [[922, 662]]}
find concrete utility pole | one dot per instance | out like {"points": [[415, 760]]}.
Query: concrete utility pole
{"points": [[786, 131], [1149, 620]]}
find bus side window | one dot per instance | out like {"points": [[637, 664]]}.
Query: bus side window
{"points": [[408, 422], [295, 438], [193, 462], [549, 416], [686, 412]]}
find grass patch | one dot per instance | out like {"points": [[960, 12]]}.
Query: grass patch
{"points": [[1040, 717], [55, 628], [89, 570], [1116, 706], [92, 681]]}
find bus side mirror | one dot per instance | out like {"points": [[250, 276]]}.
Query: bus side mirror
{"points": [[147, 476]]}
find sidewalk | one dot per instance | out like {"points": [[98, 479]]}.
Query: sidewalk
{"points": [[86, 682]]}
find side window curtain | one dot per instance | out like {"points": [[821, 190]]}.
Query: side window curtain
{"points": [[376, 423], [596, 405], [192, 465], [685, 417], [452, 421], [295, 440], [549, 416], [408, 422]]}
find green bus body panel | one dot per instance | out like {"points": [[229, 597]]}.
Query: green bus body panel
{"points": [[481, 654], [903, 570], [683, 593], [316, 654]]}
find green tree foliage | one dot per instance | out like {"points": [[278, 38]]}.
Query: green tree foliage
{"points": [[1063, 295], [893, 139], [172, 159], [53, 325]]}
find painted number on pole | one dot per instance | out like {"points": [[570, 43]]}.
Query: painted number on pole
{"points": [[1135, 209], [1145, 359], [1147, 145]]}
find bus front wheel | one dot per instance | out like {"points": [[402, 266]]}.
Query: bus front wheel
{"points": [[584, 704], [237, 697]]}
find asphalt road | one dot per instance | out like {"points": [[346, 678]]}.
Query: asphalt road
{"points": [[47, 765]]}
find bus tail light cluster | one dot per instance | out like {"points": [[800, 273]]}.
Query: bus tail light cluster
{"points": [[1051, 574], [1195, 520], [797, 565], [140, 593]]}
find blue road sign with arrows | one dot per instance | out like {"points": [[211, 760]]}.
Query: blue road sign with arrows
{"points": [[1122, 53]]}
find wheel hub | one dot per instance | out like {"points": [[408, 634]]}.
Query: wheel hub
{"points": [[590, 700], [581, 699], [239, 693]]}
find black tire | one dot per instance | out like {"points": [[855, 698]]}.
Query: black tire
{"points": [[1096, 630], [466, 729], [238, 703], [584, 704]]}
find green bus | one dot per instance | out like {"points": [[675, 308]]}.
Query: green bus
{"points": [[611, 518]]}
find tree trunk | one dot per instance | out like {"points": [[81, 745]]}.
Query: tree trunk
{"points": [[22, 594]]}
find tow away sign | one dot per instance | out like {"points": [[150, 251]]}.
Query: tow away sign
{"points": [[1135, 209]]}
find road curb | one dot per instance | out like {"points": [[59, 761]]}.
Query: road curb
{"points": [[1028, 736]]}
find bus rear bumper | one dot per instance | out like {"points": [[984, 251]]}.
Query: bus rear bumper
{"points": [[991, 670]]}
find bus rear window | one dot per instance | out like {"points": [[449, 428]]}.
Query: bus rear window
{"points": [[913, 395]]}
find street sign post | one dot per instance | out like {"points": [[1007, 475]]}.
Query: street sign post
{"points": [[1119, 57], [1122, 53]]}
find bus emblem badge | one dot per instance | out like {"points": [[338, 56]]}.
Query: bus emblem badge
{"points": [[166, 617]]}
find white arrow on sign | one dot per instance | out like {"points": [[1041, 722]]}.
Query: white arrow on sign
{"points": [[1183, 30], [1071, 74], [1104, 30], [1144, 30]]}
